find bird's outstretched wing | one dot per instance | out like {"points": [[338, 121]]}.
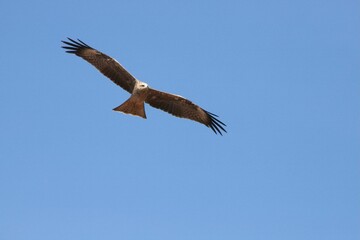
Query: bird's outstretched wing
{"points": [[105, 64], [183, 108]]}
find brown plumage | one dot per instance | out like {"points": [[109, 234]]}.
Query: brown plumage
{"points": [[140, 91]]}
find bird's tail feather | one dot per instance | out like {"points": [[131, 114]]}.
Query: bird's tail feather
{"points": [[132, 106]]}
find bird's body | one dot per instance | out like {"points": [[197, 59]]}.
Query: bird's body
{"points": [[140, 92], [135, 104]]}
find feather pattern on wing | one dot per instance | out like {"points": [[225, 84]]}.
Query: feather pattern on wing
{"points": [[183, 108], [105, 64]]}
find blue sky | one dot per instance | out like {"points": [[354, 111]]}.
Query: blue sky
{"points": [[283, 75]]}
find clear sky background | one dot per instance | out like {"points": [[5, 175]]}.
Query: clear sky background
{"points": [[283, 75]]}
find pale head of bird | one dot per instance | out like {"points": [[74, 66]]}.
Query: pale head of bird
{"points": [[141, 85], [140, 88]]}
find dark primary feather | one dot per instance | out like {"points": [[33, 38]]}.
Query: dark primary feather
{"points": [[183, 108], [105, 64]]}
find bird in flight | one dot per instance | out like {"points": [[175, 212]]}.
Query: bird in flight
{"points": [[140, 92]]}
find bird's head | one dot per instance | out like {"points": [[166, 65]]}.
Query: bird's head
{"points": [[141, 85]]}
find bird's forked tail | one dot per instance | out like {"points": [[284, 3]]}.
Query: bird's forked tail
{"points": [[132, 106]]}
